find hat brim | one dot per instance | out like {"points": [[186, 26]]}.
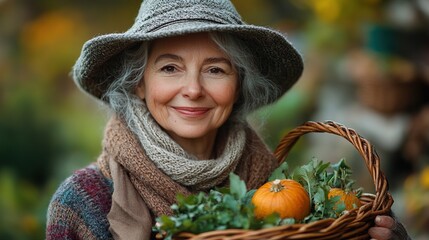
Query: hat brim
{"points": [[274, 56]]}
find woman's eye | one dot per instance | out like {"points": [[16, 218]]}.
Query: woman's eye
{"points": [[168, 69], [216, 70]]}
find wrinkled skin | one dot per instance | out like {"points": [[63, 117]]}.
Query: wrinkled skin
{"points": [[386, 227]]}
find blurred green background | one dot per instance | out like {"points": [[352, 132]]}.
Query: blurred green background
{"points": [[366, 67]]}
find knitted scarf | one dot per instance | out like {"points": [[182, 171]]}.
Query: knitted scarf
{"points": [[143, 191], [175, 162]]}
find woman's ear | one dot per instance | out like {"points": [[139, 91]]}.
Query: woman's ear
{"points": [[140, 90]]}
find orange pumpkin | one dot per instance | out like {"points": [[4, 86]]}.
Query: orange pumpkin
{"points": [[349, 198], [286, 197]]}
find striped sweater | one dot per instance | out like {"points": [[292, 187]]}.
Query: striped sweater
{"points": [[79, 208]]}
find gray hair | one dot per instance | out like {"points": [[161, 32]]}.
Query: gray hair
{"points": [[255, 89], [120, 95]]}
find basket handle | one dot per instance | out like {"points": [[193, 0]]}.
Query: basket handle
{"points": [[383, 198]]}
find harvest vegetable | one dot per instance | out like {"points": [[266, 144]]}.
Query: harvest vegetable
{"points": [[307, 189], [286, 197], [349, 198], [342, 187], [318, 178]]}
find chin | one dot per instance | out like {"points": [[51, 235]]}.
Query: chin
{"points": [[187, 133]]}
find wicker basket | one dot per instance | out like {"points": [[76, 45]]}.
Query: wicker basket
{"points": [[352, 225]]}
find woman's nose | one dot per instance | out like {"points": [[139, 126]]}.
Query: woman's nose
{"points": [[193, 88]]}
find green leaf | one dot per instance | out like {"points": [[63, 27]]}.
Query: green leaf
{"points": [[287, 221], [238, 187], [247, 199], [280, 172], [321, 167], [319, 196], [231, 203]]}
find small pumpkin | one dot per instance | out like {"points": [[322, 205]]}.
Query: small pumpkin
{"points": [[349, 198], [286, 197]]}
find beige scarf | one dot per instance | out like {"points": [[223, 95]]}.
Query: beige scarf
{"points": [[142, 191], [176, 163]]}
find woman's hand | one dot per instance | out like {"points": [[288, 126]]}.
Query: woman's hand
{"points": [[386, 227]]}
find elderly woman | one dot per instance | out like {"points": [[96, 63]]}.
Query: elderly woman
{"points": [[180, 83]]}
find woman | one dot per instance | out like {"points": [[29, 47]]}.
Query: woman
{"points": [[180, 82]]}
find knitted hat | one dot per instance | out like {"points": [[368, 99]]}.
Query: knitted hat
{"points": [[274, 56]]}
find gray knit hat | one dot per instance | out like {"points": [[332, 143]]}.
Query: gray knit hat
{"points": [[274, 55]]}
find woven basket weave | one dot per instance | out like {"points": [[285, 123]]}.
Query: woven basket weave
{"points": [[352, 225]]}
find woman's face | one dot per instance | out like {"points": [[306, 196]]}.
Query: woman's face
{"points": [[189, 86]]}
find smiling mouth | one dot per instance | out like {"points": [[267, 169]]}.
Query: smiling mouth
{"points": [[192, 111]]}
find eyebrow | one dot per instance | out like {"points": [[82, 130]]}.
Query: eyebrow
{"points": [[217, 60], [168, 56], [206, 61]]}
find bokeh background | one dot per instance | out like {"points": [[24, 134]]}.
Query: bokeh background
{"points": [[367, 67]]}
